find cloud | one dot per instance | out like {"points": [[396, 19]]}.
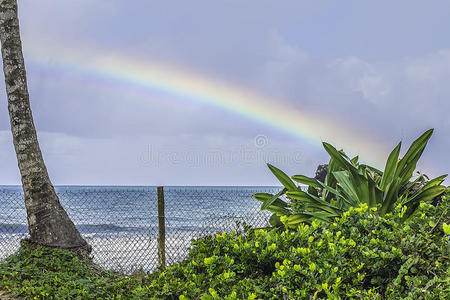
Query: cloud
{"points": [[282, 54], [152, 160], [395, 100], [389, 79], [395, 91], [357, 75]]}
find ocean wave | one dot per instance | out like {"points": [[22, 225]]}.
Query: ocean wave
{"points": [[111, 228], [13, 228]]}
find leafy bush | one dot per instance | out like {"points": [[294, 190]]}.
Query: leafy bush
{"points": [[349, 184], [52, 273], [359, 255]]}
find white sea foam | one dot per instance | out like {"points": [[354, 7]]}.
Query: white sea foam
{"points": [[125, 254], [121, 223], [9, 244]]}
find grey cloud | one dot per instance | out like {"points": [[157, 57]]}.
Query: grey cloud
{"points": [[152, 160], [393, 99], [383, 67]]}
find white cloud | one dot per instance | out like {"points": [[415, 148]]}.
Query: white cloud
{"points": [[430, 68], [360, 76], [393, 99], [283, 54]]}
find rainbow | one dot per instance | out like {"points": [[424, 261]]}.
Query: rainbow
{"points": [[192, 87]]}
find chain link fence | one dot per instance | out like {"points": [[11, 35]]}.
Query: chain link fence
{"points": [[121, 223]]}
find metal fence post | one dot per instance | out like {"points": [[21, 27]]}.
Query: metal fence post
{"points": [[161, 229]]}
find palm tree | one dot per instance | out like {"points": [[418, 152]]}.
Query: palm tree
{"points": [[48, 222]]}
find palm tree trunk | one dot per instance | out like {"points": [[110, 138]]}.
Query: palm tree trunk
{"points": [[48, 222]]}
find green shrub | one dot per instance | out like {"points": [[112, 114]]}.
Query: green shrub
{"points": [[349, 184], [361, 254], [52, 273]]}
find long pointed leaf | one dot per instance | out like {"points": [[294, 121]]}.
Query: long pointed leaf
{"points": [[324, 208], [426, 194], [339, 158], [313, 191], [270, 201], [436, 181], [390, 196], [278, 206], [361, 185], [391, 167], [266, 196], [324, 216], [375, 194], [407, 187], [408, 163], [409, 168], [329, 189], [330, 181], [297, 218], [358, 181], [307, 180], [279, 211], [303, 196], [346, 185], [283, 178], [430, 183], [415, 147], [373, 169]]}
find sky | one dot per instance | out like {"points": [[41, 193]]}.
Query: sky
{"points": [[207, 92]]}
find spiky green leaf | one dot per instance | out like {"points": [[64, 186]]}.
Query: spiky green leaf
{"points": [[266, 196], [270, 201], [283, 178], [345, 183], [297, 218], [341, 160], [390, 168], [303, 196], [407, 164], [307, 180], [424, 196]]}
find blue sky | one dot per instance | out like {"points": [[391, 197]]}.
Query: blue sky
{"points": [[382, 67]]}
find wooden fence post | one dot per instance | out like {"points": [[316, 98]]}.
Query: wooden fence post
{"points": [[161, 229]]}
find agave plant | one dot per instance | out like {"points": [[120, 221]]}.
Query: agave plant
{"points": [[350, 184]]}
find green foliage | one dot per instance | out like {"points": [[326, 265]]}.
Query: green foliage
{"points": [[51, 273], [350, 184], [359, 255]]}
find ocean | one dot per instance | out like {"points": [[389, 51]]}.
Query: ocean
{"points": [[121, 222]]}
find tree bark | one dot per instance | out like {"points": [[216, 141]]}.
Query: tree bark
{"points": [[48, 222]]}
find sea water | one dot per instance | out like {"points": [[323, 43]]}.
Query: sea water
{"points": [[121, 222]]}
